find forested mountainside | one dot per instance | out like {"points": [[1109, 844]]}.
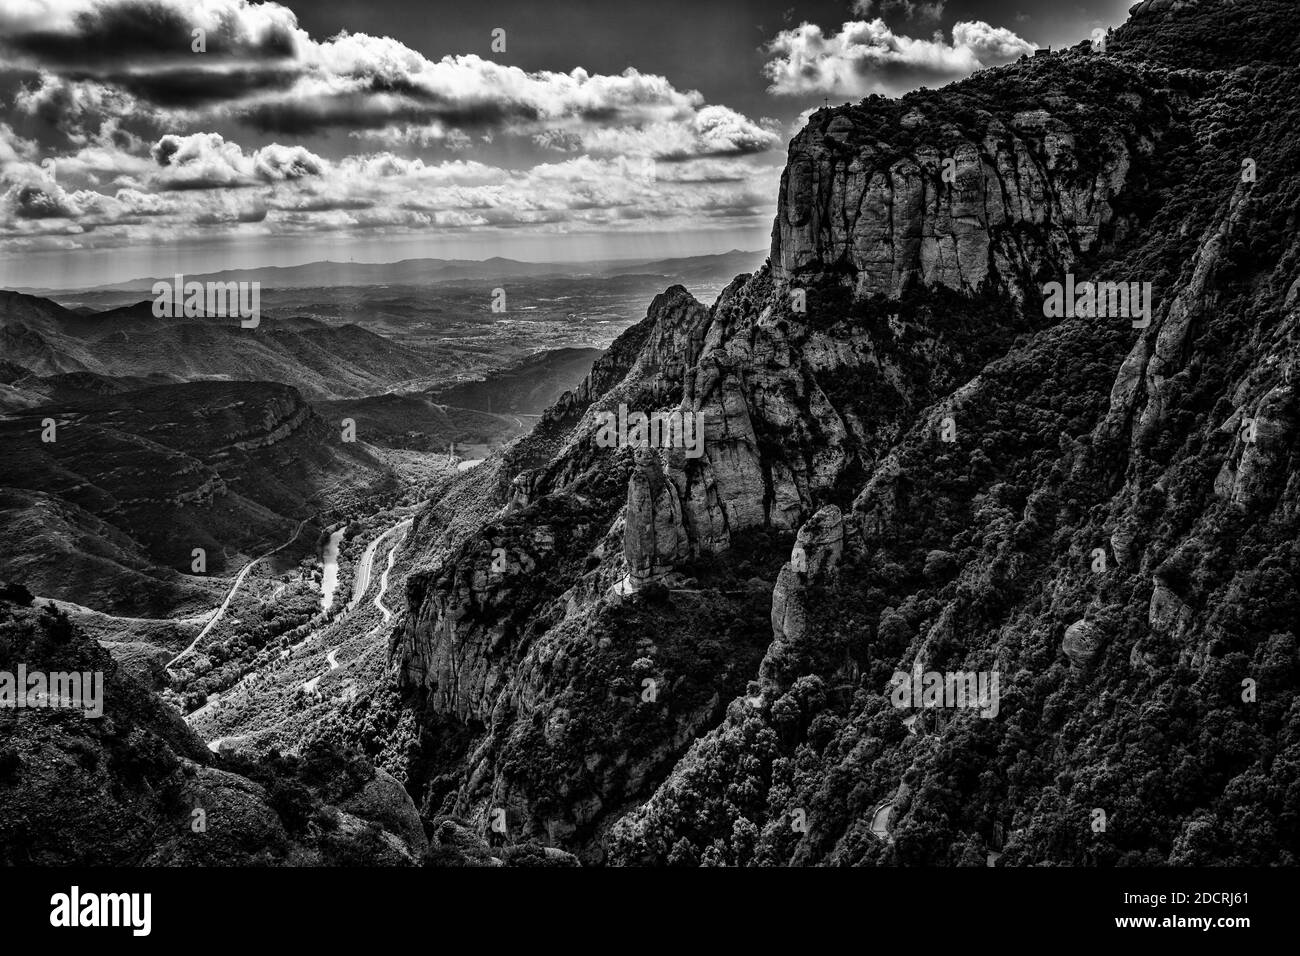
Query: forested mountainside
{"points": [[136, 479], [139, 788], [913, 464], [652, 658], [51, 350]]}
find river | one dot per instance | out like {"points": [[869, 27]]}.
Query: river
{"points": [[330, 579]]}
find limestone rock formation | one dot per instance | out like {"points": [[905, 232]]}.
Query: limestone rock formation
{"points": [[1122, 543], [1168, 614], [654, 538], [662, 345], [921, 294], [1082, 642], [850, 203], [1265, 460], [1147, 7], [814, 561], [385, 801], [1172, 337]]}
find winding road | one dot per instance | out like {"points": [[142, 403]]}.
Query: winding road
{"points": [[383, 579], [365, 572], [366, 565], [880, 821], [239, 579]]}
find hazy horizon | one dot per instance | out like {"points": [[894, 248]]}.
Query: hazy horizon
{"points": [[208, 268]]}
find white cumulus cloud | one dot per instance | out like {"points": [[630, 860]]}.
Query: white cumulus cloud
{"points": [[866, 56]]}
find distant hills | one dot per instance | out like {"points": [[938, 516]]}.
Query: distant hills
{"points": [[526, 387], [323, 361], [107, 514], [176, 433], [423, 271], [182, 433]]}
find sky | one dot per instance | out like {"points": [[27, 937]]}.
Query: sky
{"points": [[149, 137]]}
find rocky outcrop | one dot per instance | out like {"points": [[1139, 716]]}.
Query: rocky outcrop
{"points": [[1169, 350], [525, 488], [1122, 541], [878, 502], [814, 561], [1082, 643], [1168, 615], [642, 370], [281, 417], [383, 800], [954, 210], [464, 616], [724, 491], [965, 553], [654, 538], [674, 342], [606, 372], [1147, 7], [1265, 460], [797, 402]]}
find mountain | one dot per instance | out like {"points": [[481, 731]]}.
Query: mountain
{"points": [[914, 463], [426, 271], [528, 386], [327, 273], [910, 466], [108, 512], [419, 422], [122, 791], [323, 361], [473, 416], [722, 266]]}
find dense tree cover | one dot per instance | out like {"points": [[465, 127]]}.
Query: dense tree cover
{"points": [[652, 673], [1184, 734], [1220, 32], [126, 788]]}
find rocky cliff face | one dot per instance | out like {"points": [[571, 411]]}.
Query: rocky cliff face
{"points": [[814, 561], [996, 202], [906, 463]]}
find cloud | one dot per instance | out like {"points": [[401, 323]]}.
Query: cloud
{"points": [[868, 57], [208, 161], [560, 140], [36, 202], [910, 10], [78, 108], [102, 35], [14, 149], [111, 159], [274, 163], [141, 139], [262, 69], [231, 210], [721, 132], [713, 131], [364, 83], [205, 180], [200, 161], [991, 45]]}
